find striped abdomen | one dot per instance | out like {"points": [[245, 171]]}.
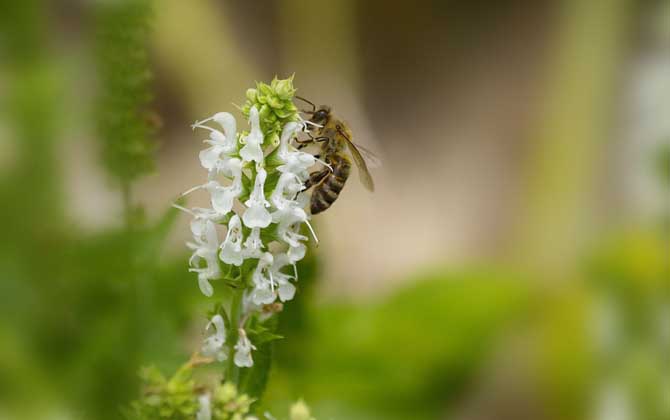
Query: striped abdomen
{"points": [[327, 191]]}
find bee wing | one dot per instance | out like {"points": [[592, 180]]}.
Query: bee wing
{"points": [[373, 161], [363, 173]]}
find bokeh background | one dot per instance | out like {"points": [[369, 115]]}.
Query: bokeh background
{"points": [[512, 264]]}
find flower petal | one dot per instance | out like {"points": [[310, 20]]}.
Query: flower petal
{"points": [[257, 216], [205, 287], [286, 291]]}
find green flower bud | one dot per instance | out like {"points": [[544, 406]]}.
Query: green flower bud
{"points": [[226, 392], [275, 103], [285, 89], [251, 94], [274, 139], [300, 411], [265, 89], [264, 112], [284, 113]]}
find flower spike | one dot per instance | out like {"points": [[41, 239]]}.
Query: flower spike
{"points": [[254, 181]]}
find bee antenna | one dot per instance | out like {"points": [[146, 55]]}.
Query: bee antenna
{"points": [[309, 102]]}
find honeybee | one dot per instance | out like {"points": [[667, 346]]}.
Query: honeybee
{"points": [[334, 136]]}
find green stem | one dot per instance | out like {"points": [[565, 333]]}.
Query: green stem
{"points": [[232, 371], [127, 203]]}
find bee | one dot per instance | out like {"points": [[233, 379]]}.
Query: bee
{"points": [[334, 137]]}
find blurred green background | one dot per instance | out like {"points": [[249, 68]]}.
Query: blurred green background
{"points": [[513, 264]]}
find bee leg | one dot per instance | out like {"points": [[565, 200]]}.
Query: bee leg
{"points": [[304, 143], [312, 139], [315, 178]]}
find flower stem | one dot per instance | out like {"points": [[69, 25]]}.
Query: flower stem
{"points": [[126, 195], [232, 371]]}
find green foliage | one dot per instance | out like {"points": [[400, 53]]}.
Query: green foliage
{"points": [[173, 398], [177, 398], [228, 403], [632, 276], [275, 106], [633, 267], [403, 356], [31, 123], [85, 311], [124, 120]]}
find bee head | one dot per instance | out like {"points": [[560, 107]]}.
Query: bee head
{"points": [[321, 115]]}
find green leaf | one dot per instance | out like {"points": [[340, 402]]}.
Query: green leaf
{"points": [[253, 381]]}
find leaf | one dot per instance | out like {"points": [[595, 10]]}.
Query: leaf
{"points": [[262, 335], [253, 381]]}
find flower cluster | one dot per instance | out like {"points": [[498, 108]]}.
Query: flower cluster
{"points": [[255, 179], [224, 403], [180, 397]]}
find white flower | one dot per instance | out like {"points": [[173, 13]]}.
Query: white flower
{"points": [[256, 214], [232, 160], [252, 150], [204, 234], [263, 293], [296, 253], [220, 142], [231, 248], [200, 218], [285, 289], [289, 220], [223, 198], [214, 345], [206, 243], [243, 351], [209, 157], [249, 306], [204, 276], [269, 281], [205, 248], [253, 245], [288, 186], [205, 410], [295, 162]]}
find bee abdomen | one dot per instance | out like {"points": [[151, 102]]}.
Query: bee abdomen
{"points": [[326, 193], [334, 183]]}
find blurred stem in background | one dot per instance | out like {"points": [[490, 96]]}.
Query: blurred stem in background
{"points": [[570, 139], [76, 317], [124, 120], [336, 47], [559, 208]]}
